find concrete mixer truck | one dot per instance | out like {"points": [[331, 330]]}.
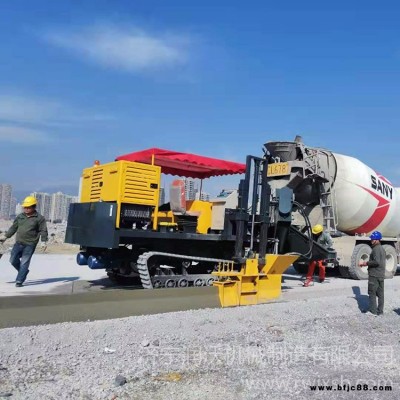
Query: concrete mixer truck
{"points": [[344, 195]]}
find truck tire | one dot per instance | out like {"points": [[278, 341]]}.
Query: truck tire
{"points": [[391, 261], [300, 268], [361, 252]]}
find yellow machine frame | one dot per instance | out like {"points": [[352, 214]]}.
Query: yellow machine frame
{"points": [[123, 182], [127, 182], [200, 207], [253, 284]]}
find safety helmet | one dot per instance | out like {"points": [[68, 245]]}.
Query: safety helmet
{"points": [[376, 235], [29, 202], [317, 229]]}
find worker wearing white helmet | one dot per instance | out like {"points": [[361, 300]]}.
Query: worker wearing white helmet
{"points": [[29, 227], [324, 239]]}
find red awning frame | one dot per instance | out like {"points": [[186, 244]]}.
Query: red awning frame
{"points": [[185, 164]]}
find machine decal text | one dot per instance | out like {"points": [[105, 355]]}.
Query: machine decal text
{"points": [[381, 187]]}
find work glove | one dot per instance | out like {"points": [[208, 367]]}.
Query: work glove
{"points": [[3, 238], [43, 246]]}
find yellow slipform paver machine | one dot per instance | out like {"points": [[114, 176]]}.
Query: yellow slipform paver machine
{"points": [[241, 241]]}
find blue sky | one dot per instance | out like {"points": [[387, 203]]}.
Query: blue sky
{"points": [[85, 80]]}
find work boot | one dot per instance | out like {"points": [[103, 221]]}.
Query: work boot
{"points": [[321, 280], [370, 313], [18, 284]]}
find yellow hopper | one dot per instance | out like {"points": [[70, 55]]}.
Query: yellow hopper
{"points": [[254, 283]]}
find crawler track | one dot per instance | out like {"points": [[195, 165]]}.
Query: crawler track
{"points": [[170, 279]]}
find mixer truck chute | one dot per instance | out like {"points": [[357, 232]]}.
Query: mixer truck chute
{"points": [[344, 195]]}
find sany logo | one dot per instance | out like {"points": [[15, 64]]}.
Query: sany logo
{"points": [[382, 185]]}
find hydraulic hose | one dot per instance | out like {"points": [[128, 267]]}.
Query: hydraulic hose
{"points": [[308, 224]]}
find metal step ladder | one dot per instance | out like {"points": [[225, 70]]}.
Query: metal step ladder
{"points": [[327, 199], [328, 208], [312, 162]]}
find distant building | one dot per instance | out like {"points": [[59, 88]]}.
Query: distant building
{"points": [[190, 189], [203, 196], [18, 209], [60, 203], [57, 207], [162, 197], [13, 207], [68, 201], [54, 207], [43, 204], [5, 200]]}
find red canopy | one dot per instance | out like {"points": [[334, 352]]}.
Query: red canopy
{"points": [[185, 164]]}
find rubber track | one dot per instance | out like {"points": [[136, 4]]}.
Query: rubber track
{"points": [[144, 269]]}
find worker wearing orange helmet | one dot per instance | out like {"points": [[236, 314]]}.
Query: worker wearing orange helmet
{"points": [[324, 239], [29, 227]]}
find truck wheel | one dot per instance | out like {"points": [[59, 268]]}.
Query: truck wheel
{"points": [[300, 268], [391, 261], [361, 252]]}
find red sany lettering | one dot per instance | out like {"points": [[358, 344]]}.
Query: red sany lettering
{"points": [[377, 217]]}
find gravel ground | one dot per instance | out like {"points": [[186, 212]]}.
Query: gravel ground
{"points": [[273, 351]]}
